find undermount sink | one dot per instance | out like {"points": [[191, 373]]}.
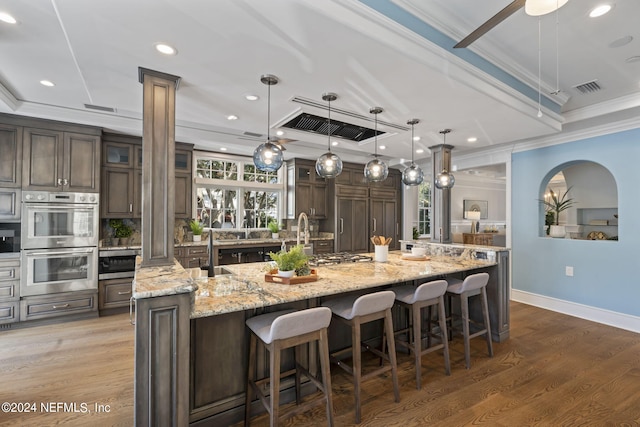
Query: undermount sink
{"points": [[196, 273]]}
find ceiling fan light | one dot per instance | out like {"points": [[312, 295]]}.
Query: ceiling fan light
{"points": [[268, 157], [542, 7], [412, 175]]}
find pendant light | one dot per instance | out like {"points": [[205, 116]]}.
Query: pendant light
{"points": [[329, 165], [376, 170], [444, 180], [268, 156], [412, 175]]}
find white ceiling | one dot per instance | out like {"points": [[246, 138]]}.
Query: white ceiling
{"points": [[398, 57]]}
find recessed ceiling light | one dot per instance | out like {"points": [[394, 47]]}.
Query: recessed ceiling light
{"points": [[252, 97], [5, 17], [416, 138], [232, 117], [223, 148], [419, 151], [47, 83], [472, 139], [599, 10], [165, 49], [334, 143], [279, 133], [633, 59], [382, 147], [622, 41]]}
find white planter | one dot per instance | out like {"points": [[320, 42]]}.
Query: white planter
{"points": [[289, 273], [197, 238], [557, 231], [275, 235]]}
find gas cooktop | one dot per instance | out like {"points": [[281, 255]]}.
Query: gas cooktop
{"points": [[337, 258]]}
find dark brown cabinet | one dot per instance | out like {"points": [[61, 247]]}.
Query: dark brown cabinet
{"points": [[306, 191], [352, 229], [11, 158], [323, 247], [114, 293], [384, 216], [60, 161], [122, 178]]}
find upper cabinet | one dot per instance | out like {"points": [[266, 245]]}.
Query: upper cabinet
{"points": [[11, 158], [121, 195], [306, 191]]}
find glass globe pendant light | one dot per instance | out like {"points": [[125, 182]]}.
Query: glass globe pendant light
{"points": [[444, 180], [329, 165], [376, 170], [412, 175], [268, 156]]}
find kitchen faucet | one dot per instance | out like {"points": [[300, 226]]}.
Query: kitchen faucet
{"points": [[306, 228]]}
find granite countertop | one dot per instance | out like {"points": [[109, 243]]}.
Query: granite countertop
{"points": [[161, 281], [225, 242], [247, 288]]}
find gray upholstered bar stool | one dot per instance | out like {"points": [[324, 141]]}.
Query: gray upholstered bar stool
{"points": [[278, 331], [474, 284], [355, 311], [414, 299]]}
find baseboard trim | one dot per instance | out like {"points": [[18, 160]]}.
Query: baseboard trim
{"points": [[600, 315]]}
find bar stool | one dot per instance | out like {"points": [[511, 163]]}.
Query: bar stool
{"points": [[355, 311], [414, 299], [474, 284], [278, 331]]}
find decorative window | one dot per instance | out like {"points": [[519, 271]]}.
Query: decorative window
{"points": [[424, 208], [232, 193]]}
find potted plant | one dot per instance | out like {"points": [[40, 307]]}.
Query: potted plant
{"points": [[196, 228], [124, 232], [291, 262], [274, 227], [556, 205]]}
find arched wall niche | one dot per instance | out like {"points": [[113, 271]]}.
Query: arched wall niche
{"points": [[594, 191]]}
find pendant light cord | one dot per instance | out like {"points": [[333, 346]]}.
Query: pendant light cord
{"points": [[557, 50], [329, 131], [539, 67], [412, 162], [268, 111], [376, 136]]}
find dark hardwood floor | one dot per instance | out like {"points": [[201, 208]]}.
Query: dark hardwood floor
{"points": [[555, 370]]}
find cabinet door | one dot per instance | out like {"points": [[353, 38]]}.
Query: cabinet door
{"points": [[384, 221], [360, 231], [116, 197], [303, 198], [81, 163], [42, 154], [118, 154], [11, 158], [183, 195], [319, 201], [352, 226], [137, 193]]}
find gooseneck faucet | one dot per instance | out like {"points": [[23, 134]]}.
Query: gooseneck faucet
{"points": [[306, 228], [211, 272]]}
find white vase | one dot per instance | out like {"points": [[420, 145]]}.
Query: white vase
{"points": [[197, 237], [381, 253], [288, 273], [557, 231], [275, 235]]}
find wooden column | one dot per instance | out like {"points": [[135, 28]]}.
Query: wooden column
{"points": [[440, 199], [158, 166]]}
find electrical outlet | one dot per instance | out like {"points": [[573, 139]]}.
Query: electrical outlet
{"points": [[568, 270]]}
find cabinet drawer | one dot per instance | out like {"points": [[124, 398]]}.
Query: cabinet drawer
{"points": [[59, 305], [196, 250], [348, 190], [323, 246], [114, 293], [9, 271], [194, 262], [9, 312], [178, 251], [9, 290]]}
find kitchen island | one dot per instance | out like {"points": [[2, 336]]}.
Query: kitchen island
{"points": [[191, 340]]}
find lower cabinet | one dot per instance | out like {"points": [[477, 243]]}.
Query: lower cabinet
{"points": [[352, 230], [56, 305], [9, 312], [114, 293], [323, 246], [9, 291]]}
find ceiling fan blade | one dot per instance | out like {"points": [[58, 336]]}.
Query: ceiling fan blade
{"points": [[509, 10]]}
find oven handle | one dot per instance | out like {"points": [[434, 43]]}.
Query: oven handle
{"points": [[87, 251], [84, 207]]}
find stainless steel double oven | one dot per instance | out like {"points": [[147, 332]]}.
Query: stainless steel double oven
{"points": [[59, 242]]}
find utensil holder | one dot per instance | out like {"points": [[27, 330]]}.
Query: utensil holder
{"points": [[382, 252]]}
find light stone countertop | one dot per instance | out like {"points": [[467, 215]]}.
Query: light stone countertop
{"points": [[161, 281], [247, 288]]}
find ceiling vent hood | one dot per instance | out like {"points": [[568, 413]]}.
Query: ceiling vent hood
{"points": [[312, 123]]}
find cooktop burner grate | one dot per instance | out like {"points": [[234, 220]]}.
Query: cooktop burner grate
{"points": [[337, 258]]}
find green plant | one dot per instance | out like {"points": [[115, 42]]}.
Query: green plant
{"points": [[293, 259], [120, 229], [557, 204], [273, 226], [196, 227], [416, 235]]}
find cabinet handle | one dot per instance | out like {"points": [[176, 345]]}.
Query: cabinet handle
{"points": [[132, 304], [397, 228], [56, 307], [65, 181], [59, 183], [124, 293], [341, 225], [375, 225], [130, 207]]}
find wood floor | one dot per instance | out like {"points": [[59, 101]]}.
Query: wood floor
{"points": [[555, 370]]}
